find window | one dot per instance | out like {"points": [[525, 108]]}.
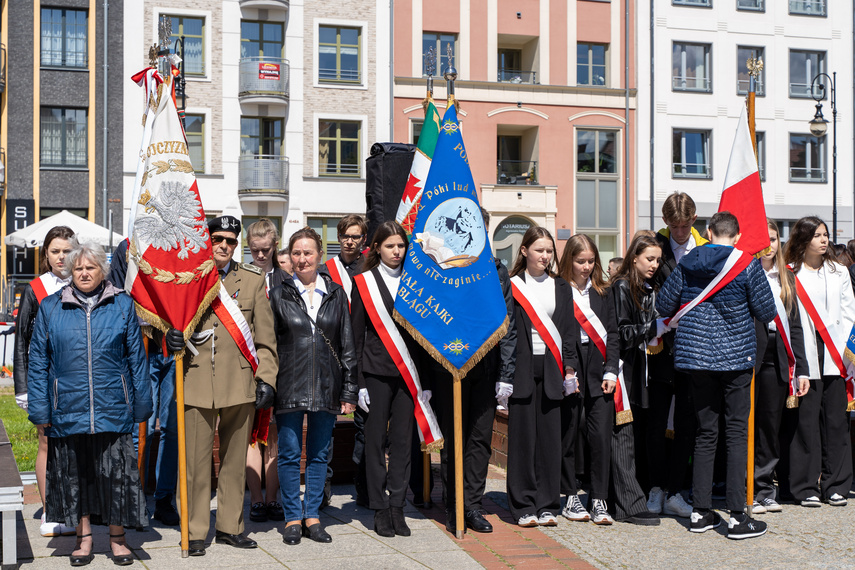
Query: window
{"points": [[808, 7], [63, 137], [338, 148], [193, 30], [804, 66], [807, 158], [690, 66], [597, 203], [751, 5], [327, 228], [691, 154], [194, 129], [417, 130], [339, 54], [701, 3], [591, 64], [262, 39], [743, 54], [760, 141], [261, 136], [439, 42], [63, 38]]}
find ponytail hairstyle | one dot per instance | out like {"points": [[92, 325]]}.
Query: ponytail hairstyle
{"points": [[533, 234], [640, 241], [787, 293], [382, 233], [577, 245], [801, 235]]}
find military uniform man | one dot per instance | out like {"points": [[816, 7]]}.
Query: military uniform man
{"points": [[219, 382]]}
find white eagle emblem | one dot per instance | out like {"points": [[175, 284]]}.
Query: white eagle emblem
{"points": [[170, 220]]}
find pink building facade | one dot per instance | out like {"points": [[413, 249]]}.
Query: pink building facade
{"points": [[547, 115]]}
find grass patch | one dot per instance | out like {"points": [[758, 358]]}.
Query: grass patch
{"points": [[22, 433]]}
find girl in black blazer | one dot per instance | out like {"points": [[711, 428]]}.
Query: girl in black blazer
{"points": [[534, 409], [772, 377], [383, 390], [580, 266]]}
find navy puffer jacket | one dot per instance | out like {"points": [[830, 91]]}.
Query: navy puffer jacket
{"points": [[88, 370], [718, 334]]}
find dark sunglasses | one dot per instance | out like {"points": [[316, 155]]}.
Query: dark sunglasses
{"points": [[220, 239]]}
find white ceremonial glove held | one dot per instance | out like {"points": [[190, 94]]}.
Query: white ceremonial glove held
{"points": [[426, 396], [364, 400], [571, 385], [661, 327], [504, 390], [21, 400]]}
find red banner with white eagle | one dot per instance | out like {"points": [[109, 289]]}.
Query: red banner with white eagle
{"points": [[171, 273]]}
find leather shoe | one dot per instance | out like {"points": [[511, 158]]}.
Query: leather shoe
{"points": [[399, 522], [292, 534], [236, 540], [476, 521], [196, 548], [165, 512], [383, 523], [316, 532], [643, 519], [451, 521], [258, 512]]}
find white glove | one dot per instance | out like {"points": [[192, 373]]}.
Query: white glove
{"points": [[426, 396], [504, 390], [364, 400], [21, 400], [571, 385], [661, 327]]}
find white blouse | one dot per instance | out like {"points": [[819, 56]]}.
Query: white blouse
{"points": [[543, 290]]}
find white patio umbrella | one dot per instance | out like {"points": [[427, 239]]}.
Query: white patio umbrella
{"points": [[84, 230]]}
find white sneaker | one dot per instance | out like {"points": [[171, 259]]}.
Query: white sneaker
{"points": [[677, 506], [656, 502], [547, 519], [50, 528], [757, 508], [527, 520], [771, 506], [811, 502], [837, 500], [601, 512], [574, 510]]}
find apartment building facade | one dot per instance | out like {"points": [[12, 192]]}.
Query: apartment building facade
{"points": [[692, 96], [547, 109]]}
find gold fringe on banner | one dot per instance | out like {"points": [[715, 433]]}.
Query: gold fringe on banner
{"points": [[623, 417], [434, 447], [850, 407], [655, 349], [456, 373], [792, 402], [669, 434]]}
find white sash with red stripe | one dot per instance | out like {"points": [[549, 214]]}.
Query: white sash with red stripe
{"points": [[392, 340], [46, 284], [229, 313], [539, 319], [782, 323], [623, 413], [340, 275]]}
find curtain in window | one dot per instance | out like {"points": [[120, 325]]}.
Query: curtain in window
{"points": [[75, 133], [51, 136], [51, 37]]}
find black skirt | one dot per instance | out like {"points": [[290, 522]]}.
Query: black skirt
{"points": [[95, 475]]}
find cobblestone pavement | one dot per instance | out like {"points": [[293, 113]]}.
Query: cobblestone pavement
{"points": [[798, 537]]}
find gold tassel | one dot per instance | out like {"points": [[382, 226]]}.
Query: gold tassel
{"points": [[623, 417], [436, 446], [850, 407], [669, 434], [792, 402], [655, 349]]}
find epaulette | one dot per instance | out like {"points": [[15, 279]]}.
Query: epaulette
{"points": [[254, 268]]}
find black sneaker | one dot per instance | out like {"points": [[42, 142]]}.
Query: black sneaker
{"points": [[165, 512], [743, 526], [258, 512], [703, 523]]}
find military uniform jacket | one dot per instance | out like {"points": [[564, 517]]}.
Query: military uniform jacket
{"points": [[219, 376]]}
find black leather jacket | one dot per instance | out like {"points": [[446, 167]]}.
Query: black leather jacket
{"points": [[310, 378], [27, 311], [636, 327]]}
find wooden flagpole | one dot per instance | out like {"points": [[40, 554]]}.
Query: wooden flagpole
{"points": [[430, 65], [426, 478], [143, 431], [458, 459], [182, 458], [755, 65]]}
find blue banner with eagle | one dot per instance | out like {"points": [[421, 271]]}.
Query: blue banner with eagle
{"points": [[450, 299]]}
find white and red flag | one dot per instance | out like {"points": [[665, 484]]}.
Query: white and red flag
{"points": [[743, 195], [171, 272]]}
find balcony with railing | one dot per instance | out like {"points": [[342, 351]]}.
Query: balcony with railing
{"points": [[517, 76], [803, 90], [516, 172], [688, 83], [264, 79], [263, 176], [802, 174], [266, 4], [808, 7], [702, 3], [691, 169]]}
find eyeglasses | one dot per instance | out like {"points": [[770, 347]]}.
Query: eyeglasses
{"points": [[351, 238], [220, 239]]}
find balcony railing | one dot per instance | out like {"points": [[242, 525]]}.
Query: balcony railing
{"points": [[685, 83], [691, 170], [758, 5], [516, 172], [339, 169], [263, 175], [263, 76], [742, 86], [803, 90], [799, 174], [517, 76], [808, 7], [692, 3], [276, 4]]}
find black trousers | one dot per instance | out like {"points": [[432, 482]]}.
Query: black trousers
{"points": [[534, 451], [478, 405], [820, 451], [714, 393], [770, 399], [628, 497], [668, 460], [390, 419]]}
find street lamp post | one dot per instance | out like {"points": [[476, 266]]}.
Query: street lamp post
{"points": [[819, 128]]}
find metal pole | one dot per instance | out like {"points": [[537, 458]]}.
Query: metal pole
{"points": [[105, 68], [626, 118], [834, 152], [652, 114]]}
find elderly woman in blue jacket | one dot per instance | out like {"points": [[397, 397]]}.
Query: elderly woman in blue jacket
{"points": [[88, 381]]}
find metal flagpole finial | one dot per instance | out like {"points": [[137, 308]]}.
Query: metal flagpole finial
{"points": [[450, 74], [430, 68], [164, 34], [755, 66]]}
